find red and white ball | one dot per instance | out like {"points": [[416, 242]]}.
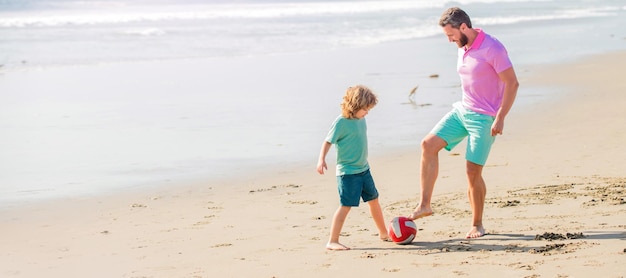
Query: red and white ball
{"points": [[402, 230]]}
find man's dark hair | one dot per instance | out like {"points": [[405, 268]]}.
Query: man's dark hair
{"points": [[455, 17]]}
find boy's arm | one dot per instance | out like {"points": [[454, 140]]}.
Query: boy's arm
{"points": [[321, 163]]}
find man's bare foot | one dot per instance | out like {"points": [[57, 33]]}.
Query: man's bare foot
{"points": [[385, 238], [420, 212], [336, 246], [475, 232]]}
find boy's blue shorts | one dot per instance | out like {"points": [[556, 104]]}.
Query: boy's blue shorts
{"points": [[460, 123], [356, 186]]}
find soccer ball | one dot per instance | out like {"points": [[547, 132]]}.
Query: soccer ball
{"points": [[402, 230]]}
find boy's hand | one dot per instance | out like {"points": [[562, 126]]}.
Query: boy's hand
{"points": [[321, 166], [321, 161]]}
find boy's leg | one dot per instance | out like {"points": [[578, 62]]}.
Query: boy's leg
{"points": [[379, 219], [335, 229]]}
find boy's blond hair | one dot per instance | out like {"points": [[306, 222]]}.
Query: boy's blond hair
{"points": [[356, 98]]}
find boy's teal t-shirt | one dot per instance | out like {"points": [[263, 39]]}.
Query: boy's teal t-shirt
{"points": [[350, 139]]}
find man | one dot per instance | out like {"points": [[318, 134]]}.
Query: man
{"points": [[489, 86]]}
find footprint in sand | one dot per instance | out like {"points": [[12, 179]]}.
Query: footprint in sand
{"points": [[221, 245]]}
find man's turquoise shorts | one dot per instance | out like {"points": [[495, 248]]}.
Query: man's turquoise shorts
{"points": [[460, 123]]}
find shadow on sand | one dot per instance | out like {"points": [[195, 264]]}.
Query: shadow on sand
{"points": [[498, 242]]}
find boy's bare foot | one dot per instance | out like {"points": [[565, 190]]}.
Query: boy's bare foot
{"points": [[420, 212], [475, 232], [336, 246]]}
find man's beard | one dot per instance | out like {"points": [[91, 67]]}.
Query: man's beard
{"points": [[462, 41]]}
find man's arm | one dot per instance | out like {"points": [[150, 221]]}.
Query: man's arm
{"points": [[510, 91]]}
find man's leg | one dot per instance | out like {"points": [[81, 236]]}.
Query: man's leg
{"points": [[477, 190], [431, 145]]}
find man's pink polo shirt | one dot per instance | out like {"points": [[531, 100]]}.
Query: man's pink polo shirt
{"points": [[478, 67]]}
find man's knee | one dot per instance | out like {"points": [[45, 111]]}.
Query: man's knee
{"points": [[432, 144], [474, 170]]}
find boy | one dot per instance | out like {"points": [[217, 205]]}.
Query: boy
{"points": [[349, 135]]}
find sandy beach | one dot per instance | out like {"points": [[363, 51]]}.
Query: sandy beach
{"points": [[555, 208]]}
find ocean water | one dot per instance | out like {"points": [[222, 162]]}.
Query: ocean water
{"points": [[40, 33], [102, 96]]}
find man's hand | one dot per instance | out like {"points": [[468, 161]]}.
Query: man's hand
{"points": [[497, 127]]}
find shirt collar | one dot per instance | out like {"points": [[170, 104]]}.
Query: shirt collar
{"points": [[478, 41]]}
